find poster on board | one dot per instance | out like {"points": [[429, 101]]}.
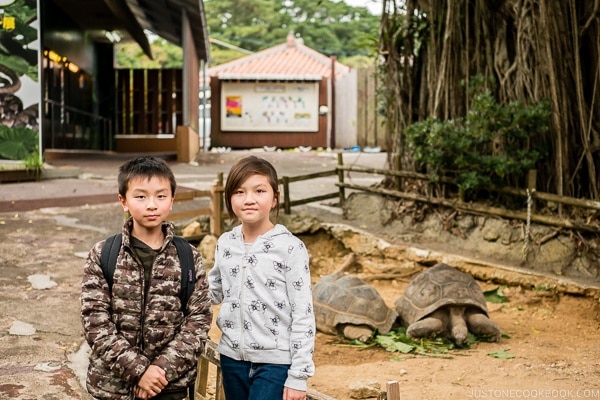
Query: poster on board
{"points": [[265, 107], [19, 82]]}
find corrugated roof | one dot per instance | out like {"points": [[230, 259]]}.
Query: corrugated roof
{"points": [[291, 60]]}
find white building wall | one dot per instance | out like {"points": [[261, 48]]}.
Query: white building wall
{"points": [[346, 89]]}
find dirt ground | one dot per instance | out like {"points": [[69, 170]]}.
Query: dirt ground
{"points": [[550, 343], [553, 337]]}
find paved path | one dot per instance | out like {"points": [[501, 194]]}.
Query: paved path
{"points": [[47, 228], [80, 178]]}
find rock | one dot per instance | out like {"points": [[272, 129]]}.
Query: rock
{"points": [[300, 223], [207, 247], [20, 328], [40, 282], [466, 222], [361, 242], [47, 367], [81, 254], [491, 236], [364, 389], [192, 229]]}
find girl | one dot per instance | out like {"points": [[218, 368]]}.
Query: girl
{"points": [[262, 278]]}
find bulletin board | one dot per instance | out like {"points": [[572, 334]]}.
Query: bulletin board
{"points": [[265, 107]]}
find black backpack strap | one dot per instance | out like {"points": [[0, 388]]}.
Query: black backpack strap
{"points": [[188, 273], [188, 280], [108, 257]]}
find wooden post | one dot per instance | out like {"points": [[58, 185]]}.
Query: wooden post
{"points": [[531, 186], [286, 195], [202, 379], [220, 393], [397, 167], [393, 390], [216, 206], [340, 163]]}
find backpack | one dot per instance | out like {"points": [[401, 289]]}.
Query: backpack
{"points": [[108, 261]]}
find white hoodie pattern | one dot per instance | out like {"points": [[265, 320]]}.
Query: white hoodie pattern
{"points": [[266, 314]]}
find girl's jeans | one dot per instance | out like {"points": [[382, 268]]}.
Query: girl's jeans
{"points": [[244, 380]]}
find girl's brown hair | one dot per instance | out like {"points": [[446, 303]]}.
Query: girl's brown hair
{"points": [[244, 168]]}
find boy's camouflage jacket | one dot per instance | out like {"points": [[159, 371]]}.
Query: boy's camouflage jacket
{"points": [[127, 333]]}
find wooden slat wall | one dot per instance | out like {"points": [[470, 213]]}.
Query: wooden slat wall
{"points": [[370, 132], [149, 101]]}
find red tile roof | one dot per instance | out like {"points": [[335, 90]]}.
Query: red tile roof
{"points": [[291, 60]]}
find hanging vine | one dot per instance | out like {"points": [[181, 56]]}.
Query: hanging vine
{"points": [[533, 50]]}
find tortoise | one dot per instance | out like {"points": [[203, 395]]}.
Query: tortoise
{"points": [[345, 304], [443, 301]]}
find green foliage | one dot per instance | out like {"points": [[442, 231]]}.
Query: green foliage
{"points": [[332, 28], [396, 341], [166, 55], [501, 354], [21, 59], [358, 61], [493, 144], [495, 296], [19, 65], [220, 56], [33, 162], [17, 143]]}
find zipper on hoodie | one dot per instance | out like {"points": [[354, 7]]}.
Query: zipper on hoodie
{"points": [[241, 307], [245, 266]]}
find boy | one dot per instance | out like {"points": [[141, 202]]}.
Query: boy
{"points": [[143, 344]]}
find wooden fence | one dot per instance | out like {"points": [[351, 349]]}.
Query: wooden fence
{"points": [[216, 209], [529, 196]]}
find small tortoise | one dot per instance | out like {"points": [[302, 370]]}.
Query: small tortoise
{"points": [[345, 304], [445, 301]]}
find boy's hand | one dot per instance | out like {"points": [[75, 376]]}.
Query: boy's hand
{"points": [[141, 394], [293, 394], [151, 383]]}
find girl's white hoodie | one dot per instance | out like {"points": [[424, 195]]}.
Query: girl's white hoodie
{"points": [[266, 315]]}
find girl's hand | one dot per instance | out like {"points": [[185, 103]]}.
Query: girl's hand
{"points": [[293, 394]]}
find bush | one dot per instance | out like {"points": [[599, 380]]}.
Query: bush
{"points": [[18, 143], [493, 145]]}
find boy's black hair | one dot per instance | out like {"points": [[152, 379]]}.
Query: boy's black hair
{"points": [[244, 168], [144, 167]]}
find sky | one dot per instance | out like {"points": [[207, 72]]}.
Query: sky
{"points": [[373, 5]]}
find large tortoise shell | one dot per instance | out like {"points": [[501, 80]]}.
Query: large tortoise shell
{"points": [[438, 286], [344, 299]]}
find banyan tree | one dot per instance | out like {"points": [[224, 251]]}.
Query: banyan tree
{"points": [[437, 55]]}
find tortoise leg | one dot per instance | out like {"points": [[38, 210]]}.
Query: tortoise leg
{"points": [[357, 332], [458, 326], [480, 324], [430, 326]]}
